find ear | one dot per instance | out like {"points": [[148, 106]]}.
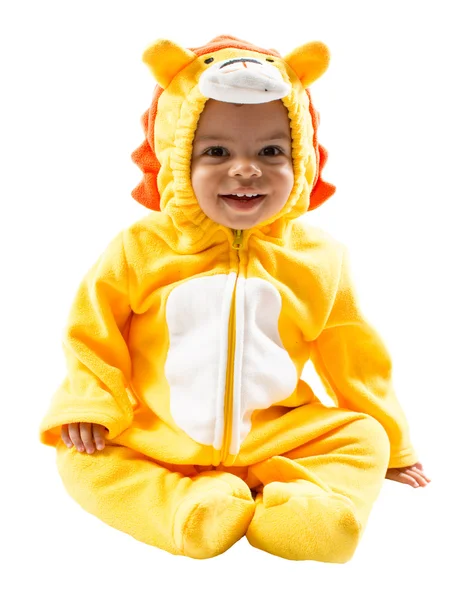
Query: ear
{"points": [[166, 59], [309, 61]]}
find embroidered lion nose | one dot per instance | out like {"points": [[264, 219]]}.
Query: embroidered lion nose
{"points": [[238, 61]]}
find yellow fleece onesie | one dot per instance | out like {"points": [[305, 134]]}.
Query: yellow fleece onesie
{"points": [[187, 341]]}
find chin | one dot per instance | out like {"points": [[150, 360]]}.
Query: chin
{"points": [[241, 221], [245, 224]]}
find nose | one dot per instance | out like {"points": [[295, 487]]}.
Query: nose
{"points": [[245, 168]]}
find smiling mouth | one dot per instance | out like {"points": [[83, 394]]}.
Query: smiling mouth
{"points": [[241, 203]]}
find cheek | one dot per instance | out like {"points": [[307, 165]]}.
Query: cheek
{"points": [[197, 181], [202, 178], [287, 175]]}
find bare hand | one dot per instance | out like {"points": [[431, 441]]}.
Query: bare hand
{"points": [[84, 436], [413, 475]]}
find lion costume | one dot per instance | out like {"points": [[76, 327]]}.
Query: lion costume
{"points": [[187, 341]]}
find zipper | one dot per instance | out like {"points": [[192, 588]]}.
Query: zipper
{"points": [[237, 243], [228, 396]]}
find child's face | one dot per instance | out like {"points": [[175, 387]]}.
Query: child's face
{"points": [[248, 148]]}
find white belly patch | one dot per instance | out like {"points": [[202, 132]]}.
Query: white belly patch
{"points": [[198, 314]]}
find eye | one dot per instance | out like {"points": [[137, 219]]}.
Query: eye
{"points": [[273, 148], [269, 59], [209, 60], [213, 148]]}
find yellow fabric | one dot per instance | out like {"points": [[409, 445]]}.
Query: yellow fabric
{"points": [[108, 364], [147, 482], [176, 58], [315, 503], [301, 61]]}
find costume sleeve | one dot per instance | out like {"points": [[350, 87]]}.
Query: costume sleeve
{"points": [[97, 356], [355, 368]]}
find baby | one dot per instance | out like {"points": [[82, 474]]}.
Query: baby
{"points": [[183, 420]]}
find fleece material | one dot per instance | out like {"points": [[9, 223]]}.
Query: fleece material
{"points": [[187, 341]]}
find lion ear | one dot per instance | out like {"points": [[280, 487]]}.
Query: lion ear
{"points": [[309, 61], [165, 59]]}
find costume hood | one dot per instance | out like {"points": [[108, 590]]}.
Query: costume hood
{"points": [[229, 70]]}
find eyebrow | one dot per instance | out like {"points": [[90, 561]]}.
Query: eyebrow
{"points": [[278, 135]]}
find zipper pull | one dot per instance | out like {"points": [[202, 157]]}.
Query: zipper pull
{"points": [[237, 238]]}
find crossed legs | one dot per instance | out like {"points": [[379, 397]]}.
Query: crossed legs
{"points": [[312, 502]]}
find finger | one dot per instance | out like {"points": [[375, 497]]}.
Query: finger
{"points": [[65, 436], [87, 438], [405, 478], [418, 477], [98, 436], [421, 473], [74, 435]]}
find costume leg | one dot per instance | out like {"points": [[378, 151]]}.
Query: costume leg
{"points": [[195, 514], [314, 500]]}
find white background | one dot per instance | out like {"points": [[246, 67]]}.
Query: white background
{"points": [[395, 119]]}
